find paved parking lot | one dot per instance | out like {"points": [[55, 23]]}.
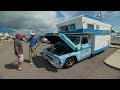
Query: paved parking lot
{"points": [[91, 68]]}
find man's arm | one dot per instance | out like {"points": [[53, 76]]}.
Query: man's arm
{"points": [[25, 40], [37, 44]]}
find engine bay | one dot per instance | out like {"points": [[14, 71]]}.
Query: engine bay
{"points": [[59, 48]]}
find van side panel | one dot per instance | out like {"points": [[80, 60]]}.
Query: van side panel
{"points": [[102, 42]]}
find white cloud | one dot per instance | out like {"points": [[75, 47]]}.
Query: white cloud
{"points": [[28, 20], [69, 14], [111, 13]]}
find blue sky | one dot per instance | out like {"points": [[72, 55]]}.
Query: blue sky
{"points": [[45, 21]]}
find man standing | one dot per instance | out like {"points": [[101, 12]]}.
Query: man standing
{"points": [[18, 48], [33, 44]]}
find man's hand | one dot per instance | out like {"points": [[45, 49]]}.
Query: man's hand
{"points": [[23, 39], [35, 47], [19, 55]]}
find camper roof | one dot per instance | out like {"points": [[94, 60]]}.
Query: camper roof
{"points": [[87, 16]]}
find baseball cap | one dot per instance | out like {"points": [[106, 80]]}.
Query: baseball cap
{"points": [[18, 36]]}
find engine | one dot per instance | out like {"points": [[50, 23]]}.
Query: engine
{"points": [[59, 48]]}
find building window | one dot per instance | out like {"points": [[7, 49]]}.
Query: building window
{"points": [[97, 27], [90, 26]]}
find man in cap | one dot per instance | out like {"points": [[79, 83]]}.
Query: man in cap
{"points": [[33, 44], [18, 48]]}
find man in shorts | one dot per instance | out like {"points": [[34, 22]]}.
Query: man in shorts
{"points": [[18, 48]]}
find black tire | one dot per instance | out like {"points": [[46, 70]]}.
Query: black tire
{"points": [[69, 62]]}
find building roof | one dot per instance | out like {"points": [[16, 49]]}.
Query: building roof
{"points": [[5, 30]]}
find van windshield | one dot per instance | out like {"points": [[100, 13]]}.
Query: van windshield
{"points": [[74, 39]]}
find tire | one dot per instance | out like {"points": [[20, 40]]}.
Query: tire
{"points": [[69, 62]]}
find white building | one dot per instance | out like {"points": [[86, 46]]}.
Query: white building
{"points": [[4, 32]]}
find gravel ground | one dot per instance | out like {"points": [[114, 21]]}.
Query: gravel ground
{"points": [[91, 68]]}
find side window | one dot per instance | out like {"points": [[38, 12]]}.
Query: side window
{"points": [[77, 41], [84, 40], [90, 26], [62, 29], [68, 27], [72, 27], [97, 27]]}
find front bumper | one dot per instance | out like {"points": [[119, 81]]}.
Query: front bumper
{"points": [[51, 61]]}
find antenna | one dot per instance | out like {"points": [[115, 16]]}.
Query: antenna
{"points": [[99, 15]]}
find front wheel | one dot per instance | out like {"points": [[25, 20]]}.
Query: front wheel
{"points": [[69, 62]]}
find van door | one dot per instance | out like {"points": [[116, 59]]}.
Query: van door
{"points": [[85, 47]]}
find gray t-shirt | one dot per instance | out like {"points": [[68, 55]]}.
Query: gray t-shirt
{"points": [[18, 43]]}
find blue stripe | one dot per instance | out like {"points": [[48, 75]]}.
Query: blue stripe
{"points": [[92, 17], [102, 49], [82, 31]]}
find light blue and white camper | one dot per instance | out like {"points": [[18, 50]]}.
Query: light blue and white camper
{"points": [[78, 38]]}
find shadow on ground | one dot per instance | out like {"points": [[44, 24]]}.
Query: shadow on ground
{"points": [[40, 62], [26, 61], [11, 66]]}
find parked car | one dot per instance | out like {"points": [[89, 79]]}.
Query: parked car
{"points": [[44, 40]]}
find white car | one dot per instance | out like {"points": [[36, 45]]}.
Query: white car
{"points": [[44, 40]]}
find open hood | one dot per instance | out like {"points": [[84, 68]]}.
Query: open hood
{"points": [[61, 38]]}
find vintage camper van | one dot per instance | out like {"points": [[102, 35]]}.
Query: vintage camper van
{"points": [[78, 38]]}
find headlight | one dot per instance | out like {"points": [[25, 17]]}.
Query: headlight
{"points": [[56, 60]]}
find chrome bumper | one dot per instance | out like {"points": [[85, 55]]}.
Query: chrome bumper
{"points": [[51, 61]]}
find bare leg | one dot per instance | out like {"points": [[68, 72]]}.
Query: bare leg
{"points": [[20, 66]]}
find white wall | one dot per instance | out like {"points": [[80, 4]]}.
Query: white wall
{"points": [[102, 26]]}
